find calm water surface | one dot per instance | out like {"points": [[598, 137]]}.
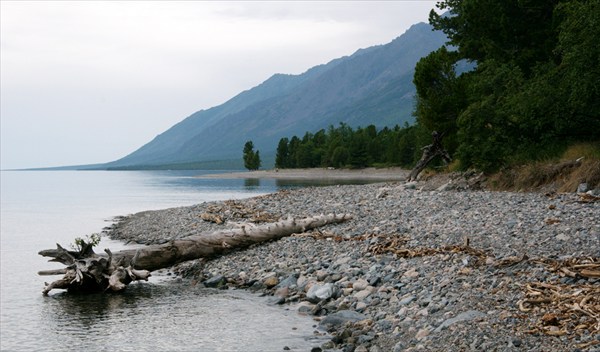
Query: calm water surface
{"points": [[41, 208]]}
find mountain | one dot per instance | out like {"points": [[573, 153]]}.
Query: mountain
{"points": [[371, 86]]}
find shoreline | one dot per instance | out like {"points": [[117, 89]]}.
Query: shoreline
{"points": [[383, 174], [428, 295]]}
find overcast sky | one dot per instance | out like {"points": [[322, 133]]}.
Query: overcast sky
{"points": [[87, 82]]}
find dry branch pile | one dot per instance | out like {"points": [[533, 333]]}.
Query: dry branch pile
{"points": [[563, 309], [230, 209]]}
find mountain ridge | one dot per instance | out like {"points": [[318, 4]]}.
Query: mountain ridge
{"points": [[371, 86]]}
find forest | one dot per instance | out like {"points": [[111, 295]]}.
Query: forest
{"points": [[531, 90], [345, 147]]}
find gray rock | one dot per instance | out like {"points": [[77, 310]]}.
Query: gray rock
{"points": [[594, 192], [406, 300], [410, 185], [445, 187], [335, 277], [362, 295], [385, 324], [276, 300], [398, 347], [375, 281], [305, 308], [464, 316], [338, 319], [215, 281], [362, 339], [288, 281], [319, 293], [360, 284]]}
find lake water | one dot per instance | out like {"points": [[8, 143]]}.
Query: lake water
{"points": [[42, 208]]}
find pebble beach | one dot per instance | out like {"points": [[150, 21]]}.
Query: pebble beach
{"points": [[421, 266]]}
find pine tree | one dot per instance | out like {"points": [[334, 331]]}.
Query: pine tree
{"points": [[283, 154], [251, 158]]}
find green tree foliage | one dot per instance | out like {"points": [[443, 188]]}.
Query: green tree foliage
{"points": [[293, 151], [440, 94], [251, 158], [579, 69], [344, 147], [535, 85], [282, 158], [521, 31], [84, 244]]}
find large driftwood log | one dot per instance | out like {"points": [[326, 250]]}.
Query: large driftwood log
{"points": [[429, 153], [87, 271]]}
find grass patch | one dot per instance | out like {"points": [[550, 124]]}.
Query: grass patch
{"points": [[579, 163]]}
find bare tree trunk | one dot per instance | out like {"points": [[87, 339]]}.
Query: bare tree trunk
{"points": [[429, 153], [88, 271]]}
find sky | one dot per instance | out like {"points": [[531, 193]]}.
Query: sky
{"points": [[84, 82]]}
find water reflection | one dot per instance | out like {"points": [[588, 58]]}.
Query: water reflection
{"points": [[89, 312], [251, 183], [170, 316]]}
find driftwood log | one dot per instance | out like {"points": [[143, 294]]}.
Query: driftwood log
{"points": [[429, 153], [87, 271]]}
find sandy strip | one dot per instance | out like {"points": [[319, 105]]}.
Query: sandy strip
{"points": [[387, 174]]}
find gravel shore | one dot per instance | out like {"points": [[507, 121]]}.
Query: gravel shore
{"points": [[371, 173], [421, 266]]}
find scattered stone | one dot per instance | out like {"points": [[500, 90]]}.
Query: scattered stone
{"points": [[412, 273], [410, 185], [465, 316], [401, 263], [215, 281], [399, 347], [288, 281], [407, 300], [360, 284], [362, 295], [445, 187], [271, 282], [342, 317], [422, 334], [582, 188], [305, 308], [283, 292], [319, 293], [562, 237]]}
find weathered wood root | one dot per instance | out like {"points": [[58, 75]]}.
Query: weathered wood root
{"points": [[429, 153], [87, 271]]}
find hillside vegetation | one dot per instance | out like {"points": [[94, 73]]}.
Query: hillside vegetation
{"points": [[534, 90], [514, 92]]}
